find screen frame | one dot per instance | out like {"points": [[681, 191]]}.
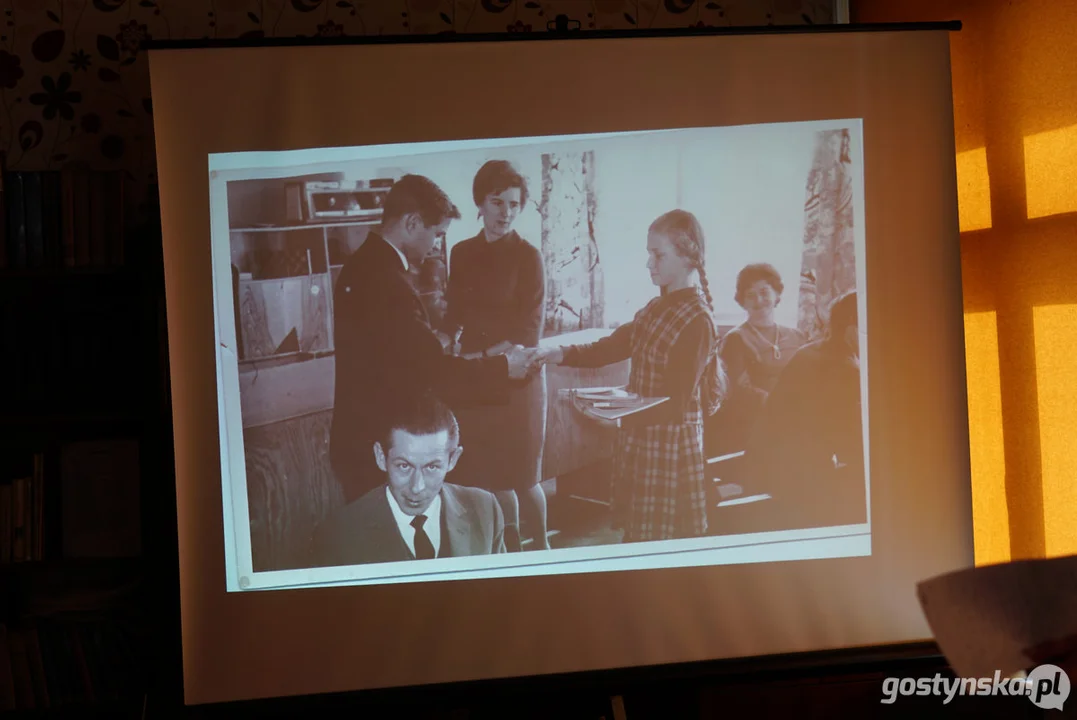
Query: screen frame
{"points": [[550, 34], [598, 687], [872, 658]]}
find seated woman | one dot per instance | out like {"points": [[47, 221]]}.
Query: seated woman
{"points": [[754, 354], [808, 447]]}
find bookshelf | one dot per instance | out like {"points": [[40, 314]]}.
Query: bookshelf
{"points": [[84, 427]]}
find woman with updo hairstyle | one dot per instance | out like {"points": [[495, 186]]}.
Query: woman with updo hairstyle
{"points": [[658, 480], [754, 354], [496, 297]]}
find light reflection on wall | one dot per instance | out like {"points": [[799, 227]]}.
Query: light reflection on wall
{"points": [[1051, 172], [1015, 93], [990, 519], [1055, 328], [973, 190]]}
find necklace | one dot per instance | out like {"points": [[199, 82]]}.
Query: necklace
{"points": [[777, 348]]}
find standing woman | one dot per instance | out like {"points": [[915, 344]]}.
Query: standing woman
{"points": [[496, 295], [659, 484]]}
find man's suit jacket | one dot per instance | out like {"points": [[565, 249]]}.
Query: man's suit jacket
{"points": [[812, 415], [366, 531], [386, 350]]}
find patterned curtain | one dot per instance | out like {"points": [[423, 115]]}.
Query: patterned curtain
{"points": [[574, 281], [828, 267]]}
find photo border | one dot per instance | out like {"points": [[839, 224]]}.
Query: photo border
{"points": [[785, 545]]}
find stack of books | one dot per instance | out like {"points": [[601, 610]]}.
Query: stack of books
{"points": [[610, 404]]}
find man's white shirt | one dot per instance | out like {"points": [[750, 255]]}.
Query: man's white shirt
{"points": [[432, 526], [403, 258]]}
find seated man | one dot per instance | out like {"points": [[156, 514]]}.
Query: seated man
{"points": [[807, 450], [415, 514]]}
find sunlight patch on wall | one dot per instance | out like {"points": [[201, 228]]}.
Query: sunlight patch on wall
{"points": [[973, 190], [1051, 172], [1055, 328], [990, 517]]}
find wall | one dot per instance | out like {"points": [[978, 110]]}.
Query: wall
{"points": [[74, 82], [1015, 119]]}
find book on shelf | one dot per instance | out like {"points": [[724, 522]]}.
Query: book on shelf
{"points": [[100, 499], [31, 209], [7, 677], [15, 213], [62, 218], [22, 501], [51, 219], [91, 508], [52, 662], [3, 212]]}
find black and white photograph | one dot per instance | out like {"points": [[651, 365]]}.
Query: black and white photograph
{"points": [[543, 355]]}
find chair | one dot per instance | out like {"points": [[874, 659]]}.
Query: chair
{"points": [[729, 510]]}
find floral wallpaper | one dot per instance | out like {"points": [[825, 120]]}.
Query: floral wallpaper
{"points": [[74, 82]]}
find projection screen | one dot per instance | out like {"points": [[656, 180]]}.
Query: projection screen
{"points": [[755, 444]]}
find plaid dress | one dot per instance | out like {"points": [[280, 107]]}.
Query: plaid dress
{"points": [[659, 475]]}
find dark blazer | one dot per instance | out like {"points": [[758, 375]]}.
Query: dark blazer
{"points": [[812, 416], [386, 350], [366, 531], [496, 292]]}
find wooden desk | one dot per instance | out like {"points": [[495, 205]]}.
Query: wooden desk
{"points": [[572, 441], [287, 413]]}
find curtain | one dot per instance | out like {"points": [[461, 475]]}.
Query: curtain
{"points": [[828, 265], [574, 282]]}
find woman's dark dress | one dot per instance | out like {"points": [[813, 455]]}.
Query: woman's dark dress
{"points": [[753, 371], [496, 293]]}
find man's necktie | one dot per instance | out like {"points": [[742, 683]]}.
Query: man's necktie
{"points": [[424, 549]]}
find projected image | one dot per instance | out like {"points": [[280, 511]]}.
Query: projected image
{"points": [[526, 356]]}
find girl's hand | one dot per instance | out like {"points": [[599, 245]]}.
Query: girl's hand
{"points": [[538, 357]]}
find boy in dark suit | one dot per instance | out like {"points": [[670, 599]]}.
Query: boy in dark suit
{"points": [[386, 351], [414, 513]]}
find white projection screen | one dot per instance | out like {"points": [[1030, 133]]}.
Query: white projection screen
{"points": [[311, 274]]}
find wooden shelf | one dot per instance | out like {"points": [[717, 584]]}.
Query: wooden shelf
{"points": [[64, 273], [307, 226], [28, 430], [110, 709], [119, 419], [75, 566], [71, 587], [103, 283]]}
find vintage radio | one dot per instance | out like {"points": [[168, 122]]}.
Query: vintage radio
{"points": [[359, 200]]}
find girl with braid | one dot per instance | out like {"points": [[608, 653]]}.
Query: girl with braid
{"points": [[659, 480]]}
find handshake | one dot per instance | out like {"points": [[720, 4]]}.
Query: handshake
{"points": [[525, 362]]}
